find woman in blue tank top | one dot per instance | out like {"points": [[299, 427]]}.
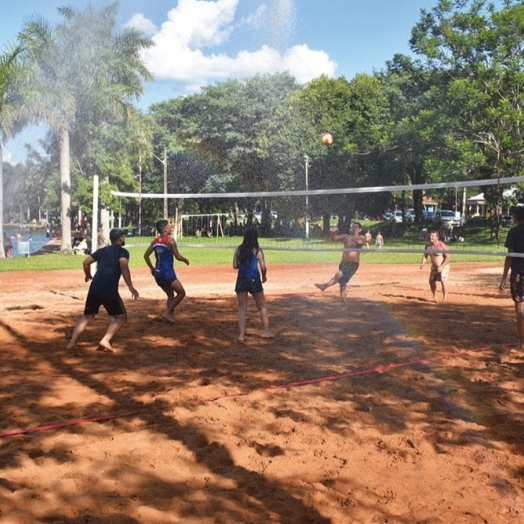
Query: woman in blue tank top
{"points": [[247, 259]]}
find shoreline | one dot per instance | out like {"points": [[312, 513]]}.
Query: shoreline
{"points": [[53, 246]]}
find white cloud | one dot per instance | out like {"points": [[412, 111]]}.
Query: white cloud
{"points": [[141, 23], [183, 46]]}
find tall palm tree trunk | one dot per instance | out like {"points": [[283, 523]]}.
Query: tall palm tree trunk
{"points": [[2, 252]]}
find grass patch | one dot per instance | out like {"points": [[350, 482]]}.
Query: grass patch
{"points": [[219, 251]]}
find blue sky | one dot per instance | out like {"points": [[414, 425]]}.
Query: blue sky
{"points": [[201, 42]]}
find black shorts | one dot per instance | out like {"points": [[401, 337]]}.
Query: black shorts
{"points": [[251, 285], [517, 285], [113, 306]]}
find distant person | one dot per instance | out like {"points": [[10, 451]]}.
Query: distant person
{"points": [[379, 241], [439, 264], [8, 246], [247, 259], [112, 262], [350, 260], [368, 237], [165, 248], [100, 238], [80, 248], [515, 244]]}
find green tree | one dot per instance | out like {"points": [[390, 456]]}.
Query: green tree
{"points": [[477, 52], [9, 75], [82, 71], [226, 126]]}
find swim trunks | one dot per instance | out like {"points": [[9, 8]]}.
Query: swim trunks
{"points": [[348, 269], [436, 276]]}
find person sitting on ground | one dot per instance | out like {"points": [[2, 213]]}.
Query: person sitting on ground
{"points": [[80, 248]]}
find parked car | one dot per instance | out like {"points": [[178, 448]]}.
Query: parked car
{"points": [[445, 217], [428, 215], [397, 216], [507, 220], [478, 221]]}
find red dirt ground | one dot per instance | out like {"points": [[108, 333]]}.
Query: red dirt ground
{"points": [[200, 434]]}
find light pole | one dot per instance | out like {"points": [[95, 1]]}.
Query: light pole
{"points": [[306, 165], [140, 194], [164, 163]]}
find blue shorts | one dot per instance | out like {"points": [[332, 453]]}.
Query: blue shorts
{"points": [[249, 285], [164, 278]]}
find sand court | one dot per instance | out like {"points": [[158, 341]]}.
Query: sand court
{"points": [[396, 410]]}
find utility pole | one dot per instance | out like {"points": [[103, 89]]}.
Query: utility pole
{"points": [[306, 164], [140, 194], [165, 183]]}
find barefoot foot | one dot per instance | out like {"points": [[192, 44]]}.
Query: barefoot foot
{"points": [[105, 346], [322, 287], [170, 317]]}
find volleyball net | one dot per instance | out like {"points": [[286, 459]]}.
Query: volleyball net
{"points": [[298, 220]]}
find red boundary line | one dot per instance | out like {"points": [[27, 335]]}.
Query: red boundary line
{"points": [[332, 378]]}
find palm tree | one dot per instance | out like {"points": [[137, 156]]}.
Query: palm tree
{"points": [[9, 73], [81, 71]]}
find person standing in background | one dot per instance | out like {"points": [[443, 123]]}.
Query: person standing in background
{"points": [[515, 244]]}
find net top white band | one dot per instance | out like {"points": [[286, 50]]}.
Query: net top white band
{"points": [[376, 189]]}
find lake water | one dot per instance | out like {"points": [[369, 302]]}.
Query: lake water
{"points": [[36, 236]]}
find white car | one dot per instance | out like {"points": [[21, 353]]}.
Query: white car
{"points": [[446, 217], [397, 216]]}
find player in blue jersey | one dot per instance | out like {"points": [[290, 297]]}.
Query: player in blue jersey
{"points": [[247, 258], [166, 250], [112, 263]]}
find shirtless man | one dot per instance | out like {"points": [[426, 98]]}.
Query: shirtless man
{"points": [[439, 264], [350, 259]]}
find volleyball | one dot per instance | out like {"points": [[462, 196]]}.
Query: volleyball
{"points": [[326, 139]]}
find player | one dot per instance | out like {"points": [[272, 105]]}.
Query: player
{"points": [[439, 264], [350, 260], [112, 262], [165, 249], [515, 244], [247, 259]]}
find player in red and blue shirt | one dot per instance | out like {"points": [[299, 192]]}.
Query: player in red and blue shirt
{"points": [[166, 250]]}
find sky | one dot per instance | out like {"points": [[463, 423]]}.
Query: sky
{"points": [[202, 42]]}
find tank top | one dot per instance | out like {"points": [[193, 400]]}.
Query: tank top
{"points": [[163, 254], [249, 269]]}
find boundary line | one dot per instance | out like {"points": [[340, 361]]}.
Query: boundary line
{"points": [[332, 378]]}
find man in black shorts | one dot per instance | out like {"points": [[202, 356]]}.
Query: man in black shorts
{"points": [[515, 244], [112, 262]]}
